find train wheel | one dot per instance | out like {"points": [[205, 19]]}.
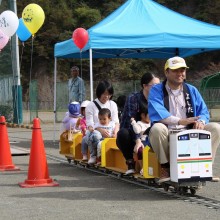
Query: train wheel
{"points": [[120, 175], [192, 191], [107, 171], [183, 190], [166, 187]]}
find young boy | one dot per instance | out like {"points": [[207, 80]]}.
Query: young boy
{"points": [[95, 137]]}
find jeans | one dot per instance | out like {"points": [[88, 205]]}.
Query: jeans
{"points": [[91, 141]]}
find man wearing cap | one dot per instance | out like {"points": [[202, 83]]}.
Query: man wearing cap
{"points": [[76, 86], [174, 104]]}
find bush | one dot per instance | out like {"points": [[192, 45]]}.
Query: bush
{"points": [[6, 111]]}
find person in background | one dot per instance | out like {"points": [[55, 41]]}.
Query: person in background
{"points": [[127, 141], [174, 104], [121, 103], [104, 94], [76, 86]]}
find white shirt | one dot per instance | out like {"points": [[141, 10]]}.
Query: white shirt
{"points": [[92, 112], [177, 108], [110, 127], [139, 128]]}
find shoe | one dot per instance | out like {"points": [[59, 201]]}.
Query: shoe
{"points": [[85, 157], [131, 167], [215, 179], [164, 175], [92, 160], [141, 172], [129, 172], [98, 161]]}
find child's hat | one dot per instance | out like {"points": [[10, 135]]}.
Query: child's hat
{"points": [[74, 108], [85, 103]]}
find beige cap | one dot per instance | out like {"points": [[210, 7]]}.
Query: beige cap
{"points": [[175, 63]]}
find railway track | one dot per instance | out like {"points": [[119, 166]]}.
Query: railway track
{"points": [[195, 199]]}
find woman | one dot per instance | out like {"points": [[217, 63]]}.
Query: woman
{"points": [[104, 94], [127, 141]]}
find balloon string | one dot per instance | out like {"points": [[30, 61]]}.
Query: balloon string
{"points": [[81, 75], [81, 62], [32, 46], [22, 51]]}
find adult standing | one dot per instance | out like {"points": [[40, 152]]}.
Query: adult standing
{"points": [[175, 104], [104, 94], [127, 141], [76, 86]]}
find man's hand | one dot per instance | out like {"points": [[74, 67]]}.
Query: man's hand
{"points": [[198, 125], [187, 121], [138, 145]]}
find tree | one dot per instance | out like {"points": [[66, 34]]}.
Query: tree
{"points": [[64, 16]]}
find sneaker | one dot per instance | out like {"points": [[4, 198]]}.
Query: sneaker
{"points": [[164, 175], [131, 167], [92, 160], [129, 172], [141, 172], [85, 157], [215, 179], [98, 161]]}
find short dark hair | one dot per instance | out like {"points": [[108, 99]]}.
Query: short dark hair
{"points": [[74, 68], [146, 78], [102, 87], [143, 108], [105, 111]]}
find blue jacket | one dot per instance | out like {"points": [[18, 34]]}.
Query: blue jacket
{"points": [[157, 110]]}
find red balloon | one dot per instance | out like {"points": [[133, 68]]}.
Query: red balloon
{"points": [[80, 37]]}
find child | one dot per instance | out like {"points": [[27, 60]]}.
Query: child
{"points": [[81, 122], [71, 117], [139, 128], [95, 137]]}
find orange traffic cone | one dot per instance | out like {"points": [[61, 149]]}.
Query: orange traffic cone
{"points": [[6, 163], [38, 171]]}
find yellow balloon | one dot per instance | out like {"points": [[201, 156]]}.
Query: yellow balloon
{"points": [[33, 17]]}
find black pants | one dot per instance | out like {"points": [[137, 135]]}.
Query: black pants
{"points": [[126, 142]]}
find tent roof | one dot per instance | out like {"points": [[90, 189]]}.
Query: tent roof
{"points": [[144, 29]]}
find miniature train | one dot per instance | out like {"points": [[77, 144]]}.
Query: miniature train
{"points": [[190, 159]]}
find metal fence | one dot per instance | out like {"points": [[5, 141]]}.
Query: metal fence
{"points": [[6, 96], [34, 105]]}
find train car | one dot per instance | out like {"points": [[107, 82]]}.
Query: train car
{"points": [[190, 159], [70, 146]]}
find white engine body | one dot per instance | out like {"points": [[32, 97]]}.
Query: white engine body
{"points": [[190, 156]]}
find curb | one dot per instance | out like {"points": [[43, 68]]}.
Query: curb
{"points": [[12, 125]]}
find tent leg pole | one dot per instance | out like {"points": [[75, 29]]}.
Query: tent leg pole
{"points": [[91, 74], [55, 97]]}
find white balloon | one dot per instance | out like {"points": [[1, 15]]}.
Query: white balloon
{"points": [[9, 22]]}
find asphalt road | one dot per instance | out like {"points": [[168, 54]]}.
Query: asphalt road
{"points": [[82, 194]]}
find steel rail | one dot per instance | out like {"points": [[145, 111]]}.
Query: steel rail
{"points": [[196, 199]]}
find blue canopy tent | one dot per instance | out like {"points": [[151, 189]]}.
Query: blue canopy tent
{"points": [[142, 29]]}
